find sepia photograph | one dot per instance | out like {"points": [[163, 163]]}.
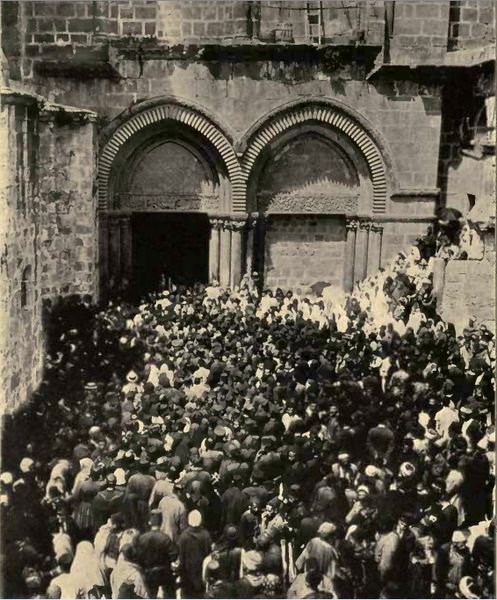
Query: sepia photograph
{"points": [[247, 299]]}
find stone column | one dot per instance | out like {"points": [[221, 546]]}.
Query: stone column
{"points": [[374, 247], [225, 254], [350, 247], [114, 252], [236, 226], [361, 251], [214, 241], [249, 250], [103, 251], [260, 247], [126, 242]]}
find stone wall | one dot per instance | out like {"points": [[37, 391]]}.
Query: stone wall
{"points": [[419, 31], [21, 335], [47, 229], [67, 206], [469, 289], [303, 250], [472, 24], [400, 235], [406, 113]]}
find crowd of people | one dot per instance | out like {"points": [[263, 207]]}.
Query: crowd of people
{"points": [[237, 443]]}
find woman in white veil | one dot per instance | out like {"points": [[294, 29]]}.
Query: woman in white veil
{"points": [[85, 571]]}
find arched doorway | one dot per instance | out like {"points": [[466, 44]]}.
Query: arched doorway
{"points": [[166, 178], [303, 187]]}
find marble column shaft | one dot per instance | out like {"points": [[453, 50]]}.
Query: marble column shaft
{"points": [[214, 243], [225, 254], [361, 254], [236, 227], [350, 254]]}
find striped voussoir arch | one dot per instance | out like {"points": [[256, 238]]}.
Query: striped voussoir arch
{"points": [[182, 114], [336, 119]]}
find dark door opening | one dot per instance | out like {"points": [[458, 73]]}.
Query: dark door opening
{"points": [[169, 248]]}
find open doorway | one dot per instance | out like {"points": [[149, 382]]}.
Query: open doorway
{"points": [[169, 248]]}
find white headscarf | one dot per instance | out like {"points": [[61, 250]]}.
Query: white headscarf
{"points": [[85, 569]]}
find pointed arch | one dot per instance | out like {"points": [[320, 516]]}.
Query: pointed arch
{"points": [[332, 116], [143, 116]]}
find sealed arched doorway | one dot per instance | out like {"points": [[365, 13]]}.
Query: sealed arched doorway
{"points": [[303, 188]]}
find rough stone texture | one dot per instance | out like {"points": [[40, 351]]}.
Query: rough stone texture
{"points": [[240, 94], [419, 32], [67, 209], [47, 231], [471, 24], [469, 289], [398, 236], [301, 251], [21, 335]]}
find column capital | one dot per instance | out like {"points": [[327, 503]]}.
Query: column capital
{"points": [[352, 224], [216, 222], [236, 224], [377, 227], [229, 222], [366, 225]]}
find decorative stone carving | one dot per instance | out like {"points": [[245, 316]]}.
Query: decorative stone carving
{"points": [[314, 203], [216, 223], [352, 224], [165, 202], [236, 224]]}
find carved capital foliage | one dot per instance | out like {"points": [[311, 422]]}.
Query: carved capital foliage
{"points": [[352, 224]]}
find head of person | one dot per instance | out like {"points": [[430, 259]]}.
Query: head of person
{"points": [[403, 524], [255, 506], [458, 540], [327, 531], [194, 518], [252, 561]]}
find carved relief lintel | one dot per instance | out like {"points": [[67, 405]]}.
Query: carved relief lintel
{"points": [[165, 202], [298, 203]]}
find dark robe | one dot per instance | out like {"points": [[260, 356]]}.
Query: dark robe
{"points": [[156, 552], [194, 545]]}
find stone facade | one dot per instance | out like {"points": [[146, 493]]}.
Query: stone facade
{"points": [[21, 334], [302, 250], [469, 289], [318, 143], [67, 204], [48, 228]]}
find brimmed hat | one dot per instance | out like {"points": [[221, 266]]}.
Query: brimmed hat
{"points": [[26, 465], [252, 560], [465, 588], [407, 469], [132, 377]]}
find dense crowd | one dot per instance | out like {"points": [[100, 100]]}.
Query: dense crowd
{"points": [[243, 444]]}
